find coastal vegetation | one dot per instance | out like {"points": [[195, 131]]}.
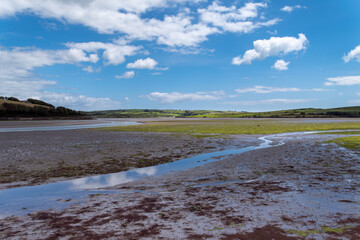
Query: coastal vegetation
{"points": [[11, 107], [233, 126]]}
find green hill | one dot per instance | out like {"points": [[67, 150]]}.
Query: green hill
{"points": [[293, 113], [11, 107]]}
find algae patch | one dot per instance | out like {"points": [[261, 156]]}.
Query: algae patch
{"points": [[347, 142]]}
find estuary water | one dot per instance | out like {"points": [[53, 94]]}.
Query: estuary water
{"points": [[78, 125]]}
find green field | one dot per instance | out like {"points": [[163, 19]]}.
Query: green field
{"points": [[232, 126], [348, 142], [295, 113]]}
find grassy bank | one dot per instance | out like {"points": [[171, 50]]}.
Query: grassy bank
{"points": [[230, 126], [347, 142]]}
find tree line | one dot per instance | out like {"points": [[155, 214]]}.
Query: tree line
{"points": [[41, 109]]}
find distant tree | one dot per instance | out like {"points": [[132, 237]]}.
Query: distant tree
{"points": [[39, 102], [13, 99]]}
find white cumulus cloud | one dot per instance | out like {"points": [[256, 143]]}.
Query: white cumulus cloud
{"points": [[113, 53], [353, 54], [182, 29], [178, 97], [126, 75], [343, 81], [235, 19], [147, 63], [281, 65], [272, 47], [114, 17]]}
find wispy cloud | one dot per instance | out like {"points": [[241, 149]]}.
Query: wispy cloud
{"points": [[343, 81], [178, 97], [79, 102], [89, 69], [269, 101], [126, 75], [289, 9], [263, 89]]}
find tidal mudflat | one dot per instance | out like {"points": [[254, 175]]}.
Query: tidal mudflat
{"points": [[34, 157], [306, 188]]}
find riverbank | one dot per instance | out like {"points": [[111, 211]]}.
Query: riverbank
{"points": [[305, 189]]}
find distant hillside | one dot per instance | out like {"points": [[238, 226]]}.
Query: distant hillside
{"points": [[294, 113], [11, 107], [145, 113]]}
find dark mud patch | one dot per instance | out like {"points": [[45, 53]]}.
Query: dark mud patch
{"points": [[266, 232], [149, 205], [199, 208], [194, 236], [148, 232], [267, 187]]}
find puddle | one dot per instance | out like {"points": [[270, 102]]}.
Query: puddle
{"points": [[22, 200]]}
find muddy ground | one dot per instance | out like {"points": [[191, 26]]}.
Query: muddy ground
{"points": [[304, 189], [28, 158]]}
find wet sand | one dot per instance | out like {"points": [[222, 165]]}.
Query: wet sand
{"points": [[304, 189], [28, 158]]}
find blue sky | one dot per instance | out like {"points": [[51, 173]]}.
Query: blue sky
{"points": [[181, 54]]}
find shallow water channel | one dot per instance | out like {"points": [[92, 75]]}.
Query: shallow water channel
{"points": [[59, 195], [68, 127]]}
